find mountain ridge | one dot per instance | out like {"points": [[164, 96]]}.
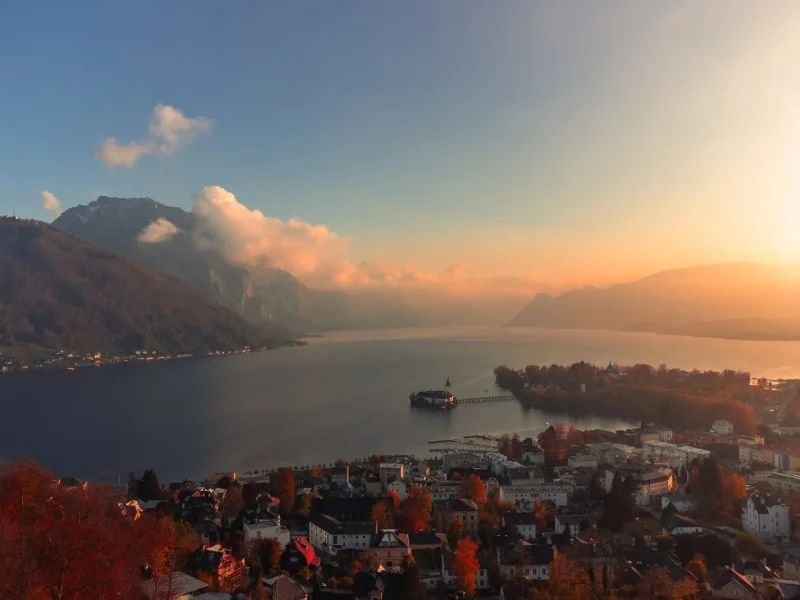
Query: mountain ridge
{"points": [[59, 291], [742, 300], [260, 294]]}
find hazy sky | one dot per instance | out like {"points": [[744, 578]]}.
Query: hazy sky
{"points": [[556, 142]]}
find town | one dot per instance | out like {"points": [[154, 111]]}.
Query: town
{"points": [[62, 359], [645, 512]]}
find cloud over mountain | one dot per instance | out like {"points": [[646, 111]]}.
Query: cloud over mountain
{"points": [[160, 230], [50, 203], [169, 130]]}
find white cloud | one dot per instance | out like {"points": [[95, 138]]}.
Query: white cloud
{"points": [[114, 154], [157, 232], [176, 130], [168, 131], [248, 237], [50, 203]]}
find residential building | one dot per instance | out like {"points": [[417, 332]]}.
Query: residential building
{"points": [[788, 481], [226, 571], [390, 471], [722, 427], [683, 503], [610, 453], [532, 562], [766, 517], [340, 476], [518, 476], [732, 584], [267, 529], [398, 486], [445, 490], [677, 524], [388, 548], [330, 535], [523, 521], [574, 524], [298, 555], [492, 486], [533, 456], [446, 512], [665, 434], [282, 587], [557, 494], [750, 440], [647, 434], [780, 460], [420, 471], [347, 510], [675, 455], [372, 485], [651, 483], [153, 589], [457, 460], [577, 461]]}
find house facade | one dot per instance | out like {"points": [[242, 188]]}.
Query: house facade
{"points": [[523, 521], [557, 494], [388, 548], [269, 529], [446, 512], [766, 517], [330, 535]]}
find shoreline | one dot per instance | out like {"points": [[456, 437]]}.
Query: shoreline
{"points": [[59, 361]]}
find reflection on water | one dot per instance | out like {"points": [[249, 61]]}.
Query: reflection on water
{"points": [[344, 395]]}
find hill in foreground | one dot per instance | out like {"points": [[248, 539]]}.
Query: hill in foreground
{"points": [[735, 301], [60, 292]]}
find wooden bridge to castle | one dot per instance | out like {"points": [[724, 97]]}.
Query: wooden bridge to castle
{"points": [[480, 399]]}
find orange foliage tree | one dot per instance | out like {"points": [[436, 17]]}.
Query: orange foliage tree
{"points": [[70, 543], [416, 510], [285, 488], [473, 488], [380, 516], [465, 566]]}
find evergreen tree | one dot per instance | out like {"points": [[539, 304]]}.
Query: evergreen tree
{"points": [[413, 588], [148, 487]]}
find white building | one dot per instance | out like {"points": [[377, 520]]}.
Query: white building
{"points": [[327, 534], [767, 518], [651, 483], [523, 521], [459, 460], [340, 476], [722, 427], [557, 494], [788, 481], [444, 490], [389, 471], [674, 454], [750, 440], [399, 487], [608, 452], [572, 524], [684, 503], [664, 433], [270, 529], [576, 461]]}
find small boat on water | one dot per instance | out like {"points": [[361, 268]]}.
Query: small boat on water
{"points": [[436, 399]]}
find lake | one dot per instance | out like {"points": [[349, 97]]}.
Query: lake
{"points": [[344, 395]]}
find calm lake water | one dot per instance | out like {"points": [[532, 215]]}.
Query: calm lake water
{"points": [[345, 395]]}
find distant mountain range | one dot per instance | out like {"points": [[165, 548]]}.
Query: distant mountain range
{"points": [[61, 292], [737, 301], [259, 294]]}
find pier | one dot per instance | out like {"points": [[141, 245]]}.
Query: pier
{"points": [[486, 399]]}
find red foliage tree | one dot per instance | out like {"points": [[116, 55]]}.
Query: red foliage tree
{"points": [[465, 566], [71, 543], [284, 485], [416, 510], [473, 488]]}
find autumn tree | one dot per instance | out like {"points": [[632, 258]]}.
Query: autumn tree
{"points": [[455, 530], [416, 509], [412, 586], [574, 437], [618, 505], [697, 567], [395, 501], [473, 488], [285, 488], [706, 482], [748, 544], [734, 493], [380, 516], [340, 462], [465, 566], [561, 430], [266, 553], [303, 505], [232, 503], [568, 580], [657, 583]]}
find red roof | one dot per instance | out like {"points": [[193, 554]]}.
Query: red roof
{"points": [[307, 550]]}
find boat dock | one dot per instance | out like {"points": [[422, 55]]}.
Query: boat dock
{"points": [[479, 399]]}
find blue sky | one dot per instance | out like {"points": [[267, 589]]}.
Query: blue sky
{"points": [[529, 136]]}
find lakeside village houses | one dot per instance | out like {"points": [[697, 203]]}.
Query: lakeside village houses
{"points": [[547, 507]]}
